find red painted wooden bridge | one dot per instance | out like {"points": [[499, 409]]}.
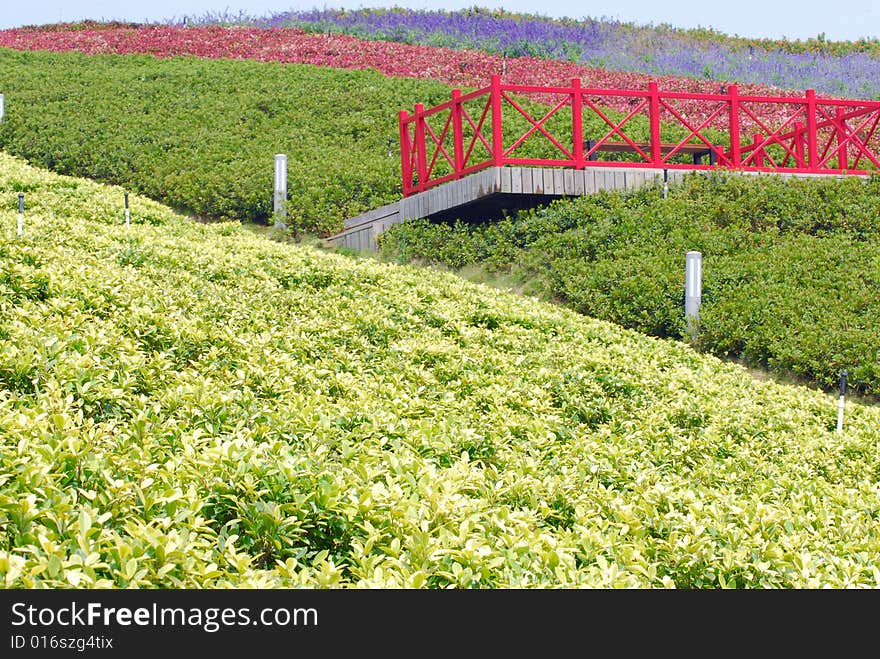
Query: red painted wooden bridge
{"points": [[503, 147], [579, 127]]}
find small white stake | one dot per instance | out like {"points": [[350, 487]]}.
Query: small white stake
{"points": [[20, 214], [840, 402]]}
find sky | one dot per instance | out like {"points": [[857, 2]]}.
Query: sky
{"points": [[843, 20]]}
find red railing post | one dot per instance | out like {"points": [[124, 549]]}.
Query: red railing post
{"points": [[735, 149], [799, 144], [577, 123], [495, 100], [654, 117], [420, 147], [812, 137], [457, 138], [405, 153], [759, 151], [840, 128]]}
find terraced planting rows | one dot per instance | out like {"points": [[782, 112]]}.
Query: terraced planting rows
{"points": [[188, 405]]}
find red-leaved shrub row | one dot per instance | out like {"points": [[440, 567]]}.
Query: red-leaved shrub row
{"points": [[466, 68]]}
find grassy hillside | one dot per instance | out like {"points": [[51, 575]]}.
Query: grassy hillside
{"points": [[201, 135], [790, 267], [188, 405]]}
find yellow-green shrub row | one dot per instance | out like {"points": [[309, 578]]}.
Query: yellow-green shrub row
{"points": [[189, 405]]}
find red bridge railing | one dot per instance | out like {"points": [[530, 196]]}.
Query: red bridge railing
{"points": [[576, 126]]}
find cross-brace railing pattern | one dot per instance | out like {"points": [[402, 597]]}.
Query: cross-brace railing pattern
{"points": [[577, 126]]}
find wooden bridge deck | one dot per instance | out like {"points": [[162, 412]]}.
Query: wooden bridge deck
{"points": [[488, 194], [491, 192]]}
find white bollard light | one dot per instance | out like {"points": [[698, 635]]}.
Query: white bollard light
{"points": [[280, 205], [693, 295]]}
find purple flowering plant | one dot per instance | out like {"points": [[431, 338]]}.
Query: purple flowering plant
{"points": [[843, 69]]}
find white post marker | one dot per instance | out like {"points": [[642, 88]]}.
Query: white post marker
{"points": [[280, 205], [693, 294], [2, 106], [840, 403], [665, 183], [20, 214], [127, 213]]}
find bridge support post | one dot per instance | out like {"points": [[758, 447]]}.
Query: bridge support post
{"points": [[654, 112], [840, 131], [812, 138], [577, 123], [421, 147], [757, 141], [735, 147], [405, 153], [799, 144], [497, 136], [457, 137]]}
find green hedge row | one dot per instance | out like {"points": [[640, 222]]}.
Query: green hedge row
{"points": [[791, 267], [201, 135]]}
